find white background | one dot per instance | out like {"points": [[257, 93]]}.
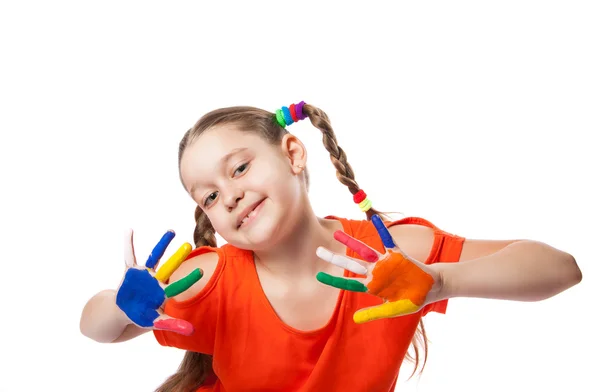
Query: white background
{"points": [[479, 116]]}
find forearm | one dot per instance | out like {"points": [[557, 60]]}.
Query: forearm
{"points": [[522, 271], [101, 319]]}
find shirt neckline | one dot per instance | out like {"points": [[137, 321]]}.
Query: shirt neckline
{"points": [[263, 297]]}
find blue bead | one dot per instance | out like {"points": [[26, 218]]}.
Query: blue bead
{"points": [[287, 116]]}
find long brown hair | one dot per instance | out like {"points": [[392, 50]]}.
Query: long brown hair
{"points": [[195, 367]]}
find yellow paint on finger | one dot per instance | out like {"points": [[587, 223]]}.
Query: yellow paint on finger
{"points": [[165, 272], [386, 310]]}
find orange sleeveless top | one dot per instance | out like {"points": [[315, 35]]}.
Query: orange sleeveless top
{"points": [[253, 350]]}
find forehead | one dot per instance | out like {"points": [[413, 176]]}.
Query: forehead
{"points": [[220, 140], [206, 151]]}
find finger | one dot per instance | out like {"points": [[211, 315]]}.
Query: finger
{"points": [[129, 251], [165, 272], [384, 234], [159, 249], [363, 250], [386, 310], [342, 283], [183, 284], [341, 261], [179, 326]]}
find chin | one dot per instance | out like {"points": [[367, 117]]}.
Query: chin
{"points": [[262, 234]]}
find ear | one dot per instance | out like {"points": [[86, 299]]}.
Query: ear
{"points": [[295, 152]]}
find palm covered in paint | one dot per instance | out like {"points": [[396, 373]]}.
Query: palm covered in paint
{"points": [[143, 291], [404, 284]]}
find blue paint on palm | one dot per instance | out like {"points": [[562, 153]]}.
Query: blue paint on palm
{"points": [[159, 250], [384, 234], [139, 296]]}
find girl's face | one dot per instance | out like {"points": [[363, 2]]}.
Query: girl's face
{"points": [[248, 188]]}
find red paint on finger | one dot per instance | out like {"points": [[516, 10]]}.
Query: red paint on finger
{"points": [[174, 325], [364, 251]]}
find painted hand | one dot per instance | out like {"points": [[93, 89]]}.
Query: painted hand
{"points": [[404, 284], [143, 292]]}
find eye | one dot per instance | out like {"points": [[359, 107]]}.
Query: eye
{"points": [[210, 199], [241, 169]]}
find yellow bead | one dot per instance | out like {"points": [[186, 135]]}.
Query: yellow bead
{"points": [[365, 205]]}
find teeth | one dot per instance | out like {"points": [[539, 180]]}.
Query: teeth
{"points": [[250, 215]]}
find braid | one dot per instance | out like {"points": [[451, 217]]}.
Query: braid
{"points": [[345, 175], [344, 171], [204, 233], [195, 367]]}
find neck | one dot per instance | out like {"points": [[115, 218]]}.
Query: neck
{"points": [[295, 254]]}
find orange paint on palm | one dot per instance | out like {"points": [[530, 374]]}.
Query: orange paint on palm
{"points": [[396, 278]]}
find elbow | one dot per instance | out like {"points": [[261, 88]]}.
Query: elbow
{"points": [[570, 275], [566, 275], [84, 323], [96, 317], [575, 275]]}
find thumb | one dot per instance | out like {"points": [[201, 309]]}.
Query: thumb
{"points": [[385, 310], [130, 261]]}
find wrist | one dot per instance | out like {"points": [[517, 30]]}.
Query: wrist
{"points": [[447, 273], [119, 315]]}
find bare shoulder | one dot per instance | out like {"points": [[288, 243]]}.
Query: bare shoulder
{"points": [[414, 240], [417, 241], [206, 262]]}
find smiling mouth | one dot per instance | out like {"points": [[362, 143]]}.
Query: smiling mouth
{"points": [[250, 215]]}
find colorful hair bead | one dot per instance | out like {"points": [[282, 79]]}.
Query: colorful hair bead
{"points": [[289, 115], [299, 113], [279, 118], [293, 112], [360, 198], [365, 205]]}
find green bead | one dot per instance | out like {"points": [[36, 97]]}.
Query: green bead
{"points": [[279, 117]]}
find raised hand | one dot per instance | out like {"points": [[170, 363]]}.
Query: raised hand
{"points": [[143, 291], [403, 283]]}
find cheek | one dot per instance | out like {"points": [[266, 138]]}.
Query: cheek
{"points": [[218, 222], [281, 188], [270, 179]]}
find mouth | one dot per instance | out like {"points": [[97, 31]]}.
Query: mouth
{"points": [[249, 214]]}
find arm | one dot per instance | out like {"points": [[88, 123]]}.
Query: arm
{"points": [[518, 270], [514, 270], [104, 322]]}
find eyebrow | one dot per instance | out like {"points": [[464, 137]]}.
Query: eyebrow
{"points": [[224, 159]]}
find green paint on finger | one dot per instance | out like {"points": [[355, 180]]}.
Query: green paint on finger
{"points": [[183, 284], [341, 283]]}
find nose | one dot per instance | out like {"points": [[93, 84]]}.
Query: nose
{"points": [[232, 197]]}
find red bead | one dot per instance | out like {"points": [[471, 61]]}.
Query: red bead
{"points": [[293, 112], [360, 196]]}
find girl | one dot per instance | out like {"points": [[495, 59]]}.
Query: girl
{"points": [[258, 319]]}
